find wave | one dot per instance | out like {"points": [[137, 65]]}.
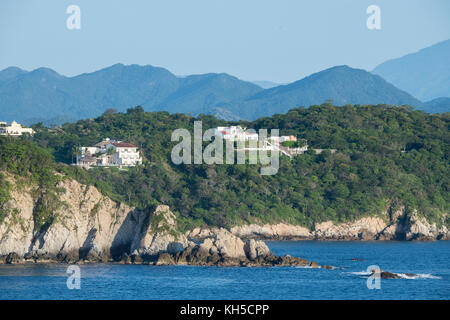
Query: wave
{"points": [[401, 275], [305, 267], [418, 276], [360, 273]]}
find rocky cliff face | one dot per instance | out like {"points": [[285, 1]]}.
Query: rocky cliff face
{"points": [[397, 225], [91, 227], [88, 226]]}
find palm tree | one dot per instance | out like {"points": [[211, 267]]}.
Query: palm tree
{"points": [[76, 151]]}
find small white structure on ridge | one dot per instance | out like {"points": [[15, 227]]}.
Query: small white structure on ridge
{"points": [[15, 129]]}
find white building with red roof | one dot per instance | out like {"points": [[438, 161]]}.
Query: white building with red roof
{"points": [[109, 153], [125, 154]]}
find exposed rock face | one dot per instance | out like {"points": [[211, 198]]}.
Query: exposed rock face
{"points": [[412, 227], [87, 227], [91, 227], [158, 234], [364, 229], [396, 225], [279, 231]]}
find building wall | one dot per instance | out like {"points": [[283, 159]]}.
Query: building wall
{"points": [[15, 129]]}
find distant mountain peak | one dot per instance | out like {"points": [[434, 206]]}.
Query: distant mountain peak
{"points": [[425, 74], [10, 73], [12, 69], [342, 84], [46, 71]]}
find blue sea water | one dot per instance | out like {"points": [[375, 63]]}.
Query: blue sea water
{"points": [[430, 260]]}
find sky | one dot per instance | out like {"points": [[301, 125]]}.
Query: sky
{"points": [[275, 40]]}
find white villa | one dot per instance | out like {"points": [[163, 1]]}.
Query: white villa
{"points": [[109, 153], [236, 133], [125, 154], [15, 129]]}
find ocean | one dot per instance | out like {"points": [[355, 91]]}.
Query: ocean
{"points": [[429, 260]]}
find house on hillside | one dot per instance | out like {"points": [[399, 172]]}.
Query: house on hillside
{"points": [[15, 129], [124, 154], [236, 133], [109, 153], [288, 145], [281, 139]]}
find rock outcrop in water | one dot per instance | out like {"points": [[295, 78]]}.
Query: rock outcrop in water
{"points": [[392, 275], [224, 249]]}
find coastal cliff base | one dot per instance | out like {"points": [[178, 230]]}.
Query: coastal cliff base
{"points": [[89, 227]]}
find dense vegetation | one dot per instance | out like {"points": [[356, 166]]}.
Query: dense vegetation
{"points": [[32, 166], [385, 156]]}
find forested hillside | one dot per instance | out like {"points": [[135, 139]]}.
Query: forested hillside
{"points": [[385, 156]]}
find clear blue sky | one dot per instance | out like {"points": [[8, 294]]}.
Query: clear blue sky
{"points": [[277, 40]]}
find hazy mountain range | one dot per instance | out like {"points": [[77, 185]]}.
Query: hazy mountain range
{"points": [[424, 74], [341, 84], [45, 95]]}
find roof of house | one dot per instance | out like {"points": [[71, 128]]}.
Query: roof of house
{"points": [[103, 143]]}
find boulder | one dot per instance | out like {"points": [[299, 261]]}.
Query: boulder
{"points": [[327, 267], [254, 249], [158, 233], [12, 258], [228, 245], [186, 256], [175, 247], [165, 259], [136, 258], [208, 245], [66, 257], [125, 259], [389, 275]]}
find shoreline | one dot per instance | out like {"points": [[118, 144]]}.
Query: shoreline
{"points": [[91, 227], [265, 259]]}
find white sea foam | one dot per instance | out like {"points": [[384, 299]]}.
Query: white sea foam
{"points": [[418, 276], [360, 273], [401, 275]]}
